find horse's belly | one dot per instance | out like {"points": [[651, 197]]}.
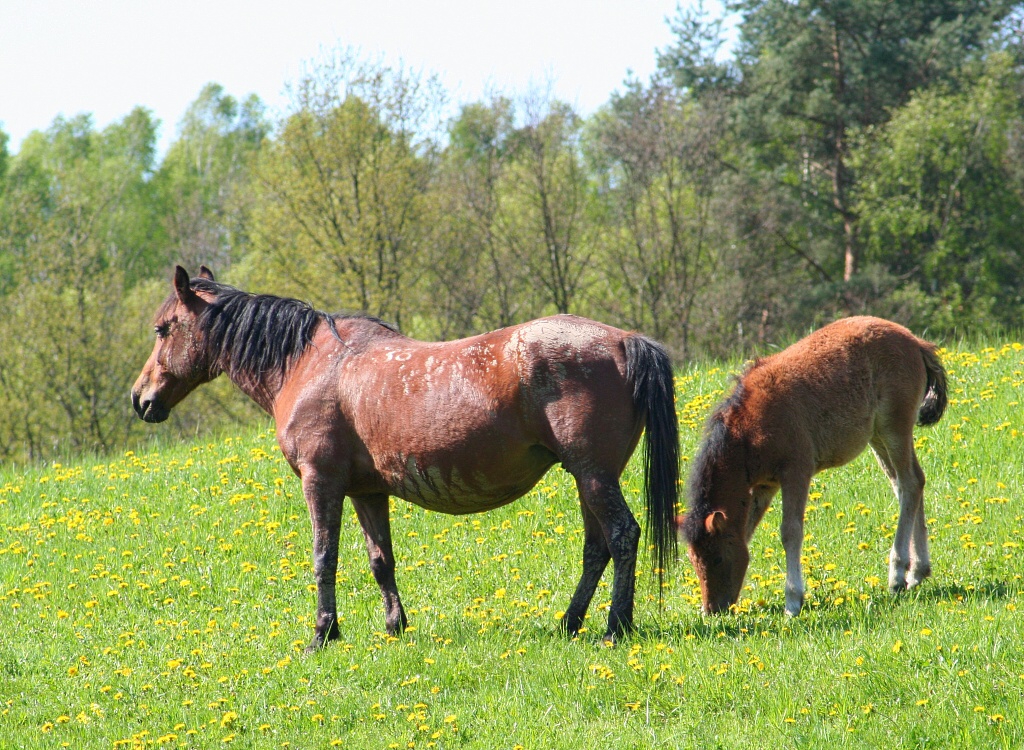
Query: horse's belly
{"points": [[843, 448], [464, 490]]}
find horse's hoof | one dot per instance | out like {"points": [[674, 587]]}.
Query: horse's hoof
{"points": [[570, 625]]}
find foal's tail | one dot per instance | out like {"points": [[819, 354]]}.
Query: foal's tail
{"points": [[649, 369], [934, 403]]}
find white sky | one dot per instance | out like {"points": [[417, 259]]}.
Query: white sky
{"points": [[105, 57]]}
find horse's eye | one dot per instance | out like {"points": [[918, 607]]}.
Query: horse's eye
{"points": [[161, 330]]}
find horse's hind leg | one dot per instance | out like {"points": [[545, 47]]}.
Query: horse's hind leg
{"points": [[909, 561], [920, 559], [595, 560], [603, 497], [374, 517]]}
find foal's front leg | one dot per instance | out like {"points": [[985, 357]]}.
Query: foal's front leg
{"points": [[794, 504], [324, 498], [373, 512]]}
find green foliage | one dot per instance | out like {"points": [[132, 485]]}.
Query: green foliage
{"points": [[77, 220], [941, 196], [815, 73], [343, 190], [475, 274], [848, 157], [204, 180], [653, 151]]}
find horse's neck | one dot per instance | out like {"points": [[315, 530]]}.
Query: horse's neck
{"points": [[262, 390]]}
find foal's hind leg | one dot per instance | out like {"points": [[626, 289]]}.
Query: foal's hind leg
{"points": [[374, 517], [595, 560], [909, 561], [602, 495]]}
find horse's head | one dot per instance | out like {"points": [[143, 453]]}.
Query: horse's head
{"points": [[718, 551], [179, 361]]}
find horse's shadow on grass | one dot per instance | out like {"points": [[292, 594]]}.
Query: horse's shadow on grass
{"points": [[771, 618], [959, 592]]}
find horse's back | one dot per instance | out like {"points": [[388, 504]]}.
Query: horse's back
{"points": [[857, 355], [473, 423], [828, 394]]}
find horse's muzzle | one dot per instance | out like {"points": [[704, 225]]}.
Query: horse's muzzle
{"points": [[149, 410]]}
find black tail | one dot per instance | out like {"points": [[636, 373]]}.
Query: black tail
{"points": [[649, 369], [934, 403]]}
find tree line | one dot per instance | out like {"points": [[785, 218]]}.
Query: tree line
{"points": [[844, 157]]}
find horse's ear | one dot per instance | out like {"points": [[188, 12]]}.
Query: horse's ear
{"points": [[182, 285], [206, 273], [715, 522]]}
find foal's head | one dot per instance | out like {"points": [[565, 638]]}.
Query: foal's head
{"points": [[179, 361], [714, 526]]}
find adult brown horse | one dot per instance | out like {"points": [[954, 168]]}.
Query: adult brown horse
{"points": [[457, 427], [857, 382]]}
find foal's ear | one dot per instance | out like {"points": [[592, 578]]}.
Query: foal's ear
{"points": [[715, 522], [182, 285], [206, 273]]}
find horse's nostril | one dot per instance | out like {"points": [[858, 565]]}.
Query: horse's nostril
{"points": [[137, 404]]}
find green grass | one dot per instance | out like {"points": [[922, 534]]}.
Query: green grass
{"points": [[163, 600]]}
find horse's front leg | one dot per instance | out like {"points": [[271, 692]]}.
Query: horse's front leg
{"points": [[794, 504], [374, 517], [324, 498]]}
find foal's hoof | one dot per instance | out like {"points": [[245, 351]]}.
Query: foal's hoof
{"points": [[794, 603], [917, 575]]}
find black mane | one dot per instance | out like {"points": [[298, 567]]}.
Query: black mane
{"points": [[713, 445], [253, 336]]}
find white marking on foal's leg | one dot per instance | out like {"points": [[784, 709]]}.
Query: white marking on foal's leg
{"points": [[909, 490], [793, 503], [794, 594], [920, 560], [897, 571]]}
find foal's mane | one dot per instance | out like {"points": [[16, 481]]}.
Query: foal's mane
{"points": [[258, 335], [712, 450]]}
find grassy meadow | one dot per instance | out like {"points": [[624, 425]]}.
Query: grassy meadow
{"points": [[163, 600]]}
